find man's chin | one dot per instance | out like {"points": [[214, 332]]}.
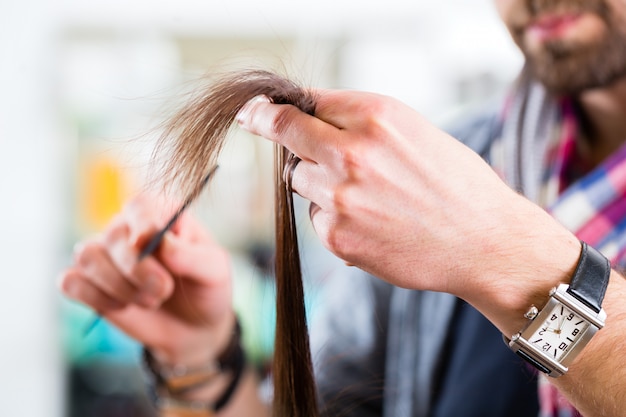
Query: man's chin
{"points": [[574, 81]]}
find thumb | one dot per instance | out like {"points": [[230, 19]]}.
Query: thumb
{"points": [[199, 260]]}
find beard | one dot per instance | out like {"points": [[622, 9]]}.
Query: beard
{"points": [[570, 66]]}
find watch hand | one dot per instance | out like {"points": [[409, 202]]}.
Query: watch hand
{"points": [[561, 325], [553, 330]]}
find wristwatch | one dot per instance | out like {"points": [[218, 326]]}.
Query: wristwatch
{"points": [[555, 335]]}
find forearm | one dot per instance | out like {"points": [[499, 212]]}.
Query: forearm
{"points": [[517, 264], [521, 273]]}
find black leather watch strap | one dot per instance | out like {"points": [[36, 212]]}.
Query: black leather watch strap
{"points": [[590, 278]]}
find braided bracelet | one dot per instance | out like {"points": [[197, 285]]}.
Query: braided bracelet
{"points": [[167, 384]]}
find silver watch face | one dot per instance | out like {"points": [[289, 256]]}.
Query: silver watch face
{"points": [[559, 332], [554, 337]]}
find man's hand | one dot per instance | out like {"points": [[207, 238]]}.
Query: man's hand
{"points": [[177, 301], [399, 198]]}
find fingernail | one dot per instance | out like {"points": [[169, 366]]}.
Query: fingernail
{"points": [[244, 114]]}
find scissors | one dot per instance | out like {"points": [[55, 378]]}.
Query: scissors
{"points": [[156, 239]]}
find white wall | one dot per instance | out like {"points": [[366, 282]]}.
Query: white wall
{"points": [[31, 196]]}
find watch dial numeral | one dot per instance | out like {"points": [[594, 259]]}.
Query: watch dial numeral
{"points": [[557, 332]]}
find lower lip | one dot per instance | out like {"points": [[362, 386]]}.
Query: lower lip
{"points": [[552, 27]]}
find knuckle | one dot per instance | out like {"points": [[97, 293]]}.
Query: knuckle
{"points": [[354, 161], [376, 111], [341, 194], [143, 206], [339, 236], [73, 286], [117, 285], [87, 254], [282, 122], [338, 243], [132, 274], [69, 284], [340, 200], [332, 232], [139, 203], [78, 287], [373, 112], [116, 231]]}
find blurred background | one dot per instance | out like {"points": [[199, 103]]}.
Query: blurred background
{"points": [[83, 84]]}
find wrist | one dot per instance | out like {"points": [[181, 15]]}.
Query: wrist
{"points": [[529, 260], [201, 389], [199, 346]]}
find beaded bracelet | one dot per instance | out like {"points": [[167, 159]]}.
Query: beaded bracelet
{"points": [[167, 384]]}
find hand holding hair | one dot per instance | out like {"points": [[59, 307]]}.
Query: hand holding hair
{"points": [[399, 198]]}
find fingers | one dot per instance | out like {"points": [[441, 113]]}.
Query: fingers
{"points": [[98, 280], [143, 216], [316, 138], [310, 181], [202, 261], [94, 264], [107, 269], [290, 127], [120, 246], [74, 286], [348, 109]]}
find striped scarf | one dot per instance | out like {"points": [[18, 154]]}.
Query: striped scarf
{"points": [[536, 155]]}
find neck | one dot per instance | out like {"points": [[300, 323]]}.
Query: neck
{"points": [[604, 111]]}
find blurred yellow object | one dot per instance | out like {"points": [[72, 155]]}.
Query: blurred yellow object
{"points": [[105, 187]]}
